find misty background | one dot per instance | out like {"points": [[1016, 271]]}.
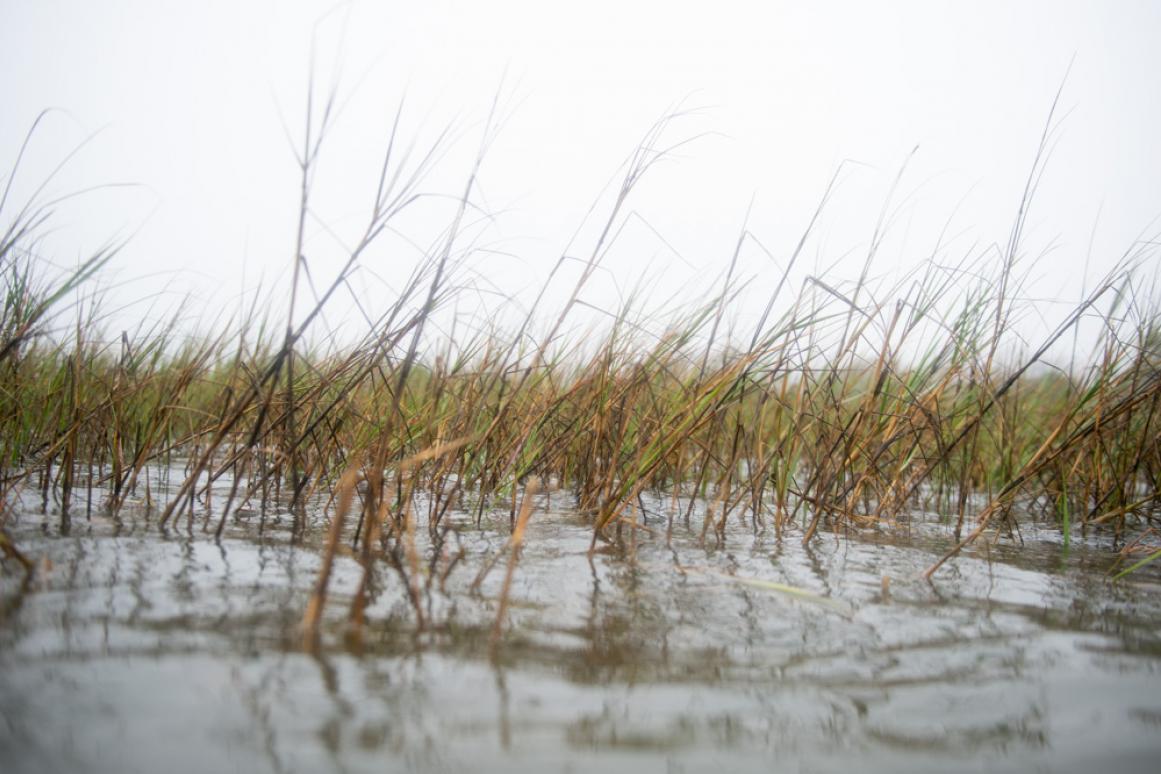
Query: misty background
{"points": [[927, 115]]}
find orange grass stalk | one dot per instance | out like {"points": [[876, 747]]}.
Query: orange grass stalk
{"points": [[514, 544]]}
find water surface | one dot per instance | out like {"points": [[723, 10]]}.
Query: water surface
{"points": [[138, 649]]}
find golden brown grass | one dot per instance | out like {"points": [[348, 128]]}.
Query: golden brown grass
{"points": [[846, 407]]}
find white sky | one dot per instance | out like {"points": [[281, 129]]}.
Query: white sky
{"points": [[188, 97]]}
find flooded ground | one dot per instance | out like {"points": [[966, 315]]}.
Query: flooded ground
{"points": [[144, 650]]}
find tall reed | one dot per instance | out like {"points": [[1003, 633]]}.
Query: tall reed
{"points": [[848, 406]]}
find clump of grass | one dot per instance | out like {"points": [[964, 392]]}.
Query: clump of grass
{"points": [[848, 405]]}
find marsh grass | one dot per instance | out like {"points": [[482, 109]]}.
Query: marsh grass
{"points": [[847, 407]]}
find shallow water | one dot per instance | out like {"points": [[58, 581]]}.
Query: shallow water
{"points": [[141, 650]]}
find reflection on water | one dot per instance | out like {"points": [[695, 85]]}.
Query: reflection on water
{"points": [[140, 651]]}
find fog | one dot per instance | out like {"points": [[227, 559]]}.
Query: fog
{"points": [[927, 115]]}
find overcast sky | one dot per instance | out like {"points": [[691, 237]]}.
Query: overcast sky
{"points": [[191, 100]]}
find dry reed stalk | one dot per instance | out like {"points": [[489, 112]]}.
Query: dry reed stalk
{"points": [[314, 609], [514, 544]]}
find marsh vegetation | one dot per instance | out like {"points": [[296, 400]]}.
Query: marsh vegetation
{"points": [[452, 488]]}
